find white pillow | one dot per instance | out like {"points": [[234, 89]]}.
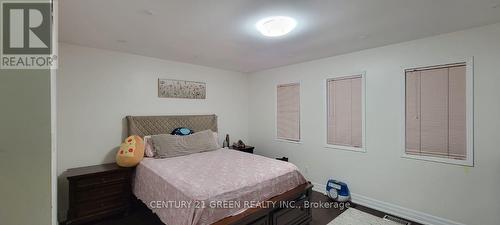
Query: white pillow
{"points": [[148, 147], [166, 145], [216, 137]]}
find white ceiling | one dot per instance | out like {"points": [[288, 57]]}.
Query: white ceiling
{"points": [[221, 33]]}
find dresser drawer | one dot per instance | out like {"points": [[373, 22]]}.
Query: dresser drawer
{"points": [[262, 221], [103, 191], [98, 180], [97, 192], [97, 206], [291, 216]]}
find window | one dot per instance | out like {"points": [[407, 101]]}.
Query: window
{"points": [[288, 112], [436, 113], [345, 120]]}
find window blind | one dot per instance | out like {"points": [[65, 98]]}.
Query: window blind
{"points": [[436, 112], [288, 112], [345, 116]]}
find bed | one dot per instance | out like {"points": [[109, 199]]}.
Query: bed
{"points": [[217, 187]]}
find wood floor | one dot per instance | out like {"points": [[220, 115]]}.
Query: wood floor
{"points": [[321, 216]]}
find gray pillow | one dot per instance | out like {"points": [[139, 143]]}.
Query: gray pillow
{"points": [[167, 146]]}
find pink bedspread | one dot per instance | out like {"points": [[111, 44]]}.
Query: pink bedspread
{"points": [[206, 187]]}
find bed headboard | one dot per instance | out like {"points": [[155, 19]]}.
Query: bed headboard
{"points": [[151, 125]]}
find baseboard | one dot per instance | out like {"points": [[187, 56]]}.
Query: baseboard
{"points": [[393, 209], [319, 187]]}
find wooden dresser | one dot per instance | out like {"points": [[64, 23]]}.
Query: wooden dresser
{"points": [[97, 192]]}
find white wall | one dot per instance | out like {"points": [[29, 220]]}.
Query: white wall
{"points": [[96, 89], [461, 194]]}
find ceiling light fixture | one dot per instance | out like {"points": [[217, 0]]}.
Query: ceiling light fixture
{"points": [[276, 26]]}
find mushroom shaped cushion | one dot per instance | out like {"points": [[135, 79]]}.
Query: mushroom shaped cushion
{"points": [[131, 152]]}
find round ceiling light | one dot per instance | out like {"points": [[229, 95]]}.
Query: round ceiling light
{"points": [[276, 26]]}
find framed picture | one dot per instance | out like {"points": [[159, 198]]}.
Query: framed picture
{"points": [[168, 88]]}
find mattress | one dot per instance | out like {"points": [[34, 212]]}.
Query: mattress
{"points": [[206, 187]]}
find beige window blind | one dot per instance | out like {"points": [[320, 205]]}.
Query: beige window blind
{"points": [[345, 115], [288, 112], [436, 111]]}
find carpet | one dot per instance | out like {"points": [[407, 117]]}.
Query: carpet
{"points": [[355, 217]]}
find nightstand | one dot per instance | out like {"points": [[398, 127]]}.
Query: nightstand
{"points": [[97, 192], [247, 149]]}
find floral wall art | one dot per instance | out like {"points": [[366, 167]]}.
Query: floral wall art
{"points": [[168, 88]]}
